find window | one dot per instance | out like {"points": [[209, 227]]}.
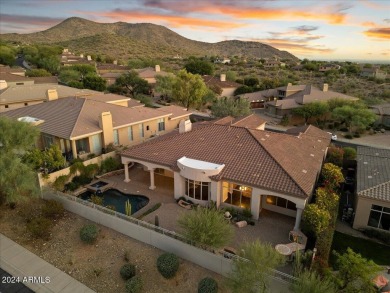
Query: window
{"points": [[48, 140], [82, 145], [161, 124], [379, 217], [197, 189], [141, 130], [147, 127], [6, 106], [116, 137], [130, 133], [281, 202], [26, 104], [238, 195]]}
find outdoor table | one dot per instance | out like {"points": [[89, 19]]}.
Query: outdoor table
{"points": [[283, 249]]}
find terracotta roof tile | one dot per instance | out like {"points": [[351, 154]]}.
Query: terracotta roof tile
{"points": [[251, 121], [213, 80], [258, 158]]}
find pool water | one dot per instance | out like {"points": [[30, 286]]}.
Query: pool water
{"points": [[99, 184], [118, 199]]}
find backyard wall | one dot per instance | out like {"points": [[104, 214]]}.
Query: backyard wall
{"points": [[156, 236], [53, 176]]}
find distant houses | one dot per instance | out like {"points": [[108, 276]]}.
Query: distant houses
{"points": [[374, 72], [227, 87]]}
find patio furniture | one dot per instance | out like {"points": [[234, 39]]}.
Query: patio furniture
{"points": [[241, 224], [283, 249], [185, 205]]}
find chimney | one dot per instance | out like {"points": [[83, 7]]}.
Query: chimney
{"points": [[89, 57], [52, 95], [65, 50], [289, 84], [223, 77], [115, 62], [105, 123], [185, 126], [82, 55], [157, 68], [3, 84], [325, 87]]}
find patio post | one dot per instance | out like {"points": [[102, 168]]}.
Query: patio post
{"points": [[152, 186], [127, 179], [298, 218], [74, 149]]}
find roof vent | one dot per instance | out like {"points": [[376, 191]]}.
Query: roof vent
{"points": [[311, 155], [369, 177], [365, 163], [304, 171]]}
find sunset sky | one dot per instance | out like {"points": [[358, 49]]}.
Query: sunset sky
{"points": [[328, 30]]}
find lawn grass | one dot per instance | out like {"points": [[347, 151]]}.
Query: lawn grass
{"points": [[377, 252]]}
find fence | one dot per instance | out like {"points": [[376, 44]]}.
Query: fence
{"points": [[156, 236], [53, 176]]}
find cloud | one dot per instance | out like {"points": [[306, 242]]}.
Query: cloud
{"points": [[382, 34], [387, 20], [375, 5], [171, 20], [369, 24], [305, 28]]}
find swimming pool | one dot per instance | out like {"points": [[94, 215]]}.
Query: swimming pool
{"points": [[118, 199]]}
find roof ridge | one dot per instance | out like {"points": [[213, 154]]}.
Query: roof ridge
{"points": [[273, 157], [78, 116], [373, 187]]}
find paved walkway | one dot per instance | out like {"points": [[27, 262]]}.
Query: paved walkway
{"points": [[34, 272]]}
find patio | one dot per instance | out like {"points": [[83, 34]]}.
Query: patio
{"points": [[271, 227]]}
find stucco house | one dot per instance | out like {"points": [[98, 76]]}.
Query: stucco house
{"points": [[80, 126], [236, 165], [283, 99], [373, 72], [372, 204], [382, 112], [228, 87]]}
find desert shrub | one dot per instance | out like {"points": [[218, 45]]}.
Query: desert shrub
{"points": [[134, 285], [349, 153], [71, 186], [52, 209], [207, 285], [167, 265], [31, 210], [348, 136], [89, 233], [60, 182], [127, 271], [90, 170], [39, 228], [110, 164]]}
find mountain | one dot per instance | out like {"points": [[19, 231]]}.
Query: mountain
{"points": [[124, 40]]}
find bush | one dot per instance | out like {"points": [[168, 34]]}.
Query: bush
{"points": [[344, 129], [349, 153], [247, 213], [71, 186], [134, 285], [207, 285], [167, 265], [39, 228], [53, 209], [348, 136], [380, 235], [31, 210], [90, 170], [97, 200], [356, 134], [110, 164], [89, 233], [60, 182], [127, 271], [81, 180]]}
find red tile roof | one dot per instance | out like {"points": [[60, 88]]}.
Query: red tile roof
{"points": [[273, 161], [251, 121]]}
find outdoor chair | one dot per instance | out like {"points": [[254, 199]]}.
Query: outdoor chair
{"points": [[185, 205]]}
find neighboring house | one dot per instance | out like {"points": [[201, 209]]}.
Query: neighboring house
{"points": [[222, 61], [383, 113], [10, 79], [236, 165], [80, 126], [372, 205], [106, 68], [258, 99], [251, 121], [283, 99], [373, 72], [148, 73], [13, 70], [328, 67], [69, 59], [17, 96], [228, 87]]}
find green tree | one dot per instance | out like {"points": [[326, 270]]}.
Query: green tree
{"points": [[338, 102], [355, 273], [206, 226], [37, 73], [130, 83], [53, 158], [332, 176], [68, 75], [251, 81], [354, 116], [230, 107], [335, 156], [314, 109], [189, 89], [231, 75], [311, 282], [243, 90], [164, 84], [17, 179], [201, 67], [7, 55], [251, 272], [94, 82]]}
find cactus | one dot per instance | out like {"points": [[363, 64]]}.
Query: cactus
{"points": [[128, 208]]}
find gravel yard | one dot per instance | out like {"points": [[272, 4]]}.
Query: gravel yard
{"points": [[97, 266]]}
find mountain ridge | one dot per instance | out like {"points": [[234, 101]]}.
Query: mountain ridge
{"points": [[83, 35]]}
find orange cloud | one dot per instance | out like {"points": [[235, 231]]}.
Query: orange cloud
{"points": [[378, 33], [171, 20], [369, 24], [375, 5]]}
